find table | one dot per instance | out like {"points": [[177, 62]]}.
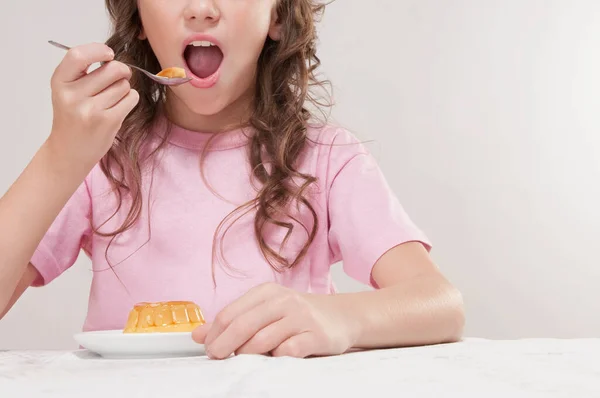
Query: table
{"points": [[473, 368]]}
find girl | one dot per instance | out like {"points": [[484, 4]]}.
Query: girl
{"points": [[223, 191]]}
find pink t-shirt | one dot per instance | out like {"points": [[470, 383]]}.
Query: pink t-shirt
{"points": [[167, 254]]}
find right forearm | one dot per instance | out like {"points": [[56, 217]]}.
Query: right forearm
{"points": [[28, 209], [88, 112]]}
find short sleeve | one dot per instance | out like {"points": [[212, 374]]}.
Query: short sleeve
{"points": [[366, 218], [67, 236]]}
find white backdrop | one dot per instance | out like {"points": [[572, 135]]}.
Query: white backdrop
{"points": [[485, 117]]}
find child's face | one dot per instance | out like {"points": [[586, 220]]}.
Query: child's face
{"points": [[223, 74]]}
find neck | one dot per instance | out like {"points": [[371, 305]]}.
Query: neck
{"points": [[233, 116]]}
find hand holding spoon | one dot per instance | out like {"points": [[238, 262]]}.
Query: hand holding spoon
{"points": [[168, 77]]}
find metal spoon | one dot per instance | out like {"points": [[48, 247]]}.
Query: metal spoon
{"points": [[167, 81]]}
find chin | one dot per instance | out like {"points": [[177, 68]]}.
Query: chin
{"points": [[206, 106]]}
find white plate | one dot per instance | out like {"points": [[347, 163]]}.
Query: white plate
{"points": [[115, 344]]}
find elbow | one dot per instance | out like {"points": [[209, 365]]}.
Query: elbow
{"points": [[6, 302], [4, 307], [5, 299], [455, 316]]}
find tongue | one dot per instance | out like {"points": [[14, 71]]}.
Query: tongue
{"points": [[203, 61]]}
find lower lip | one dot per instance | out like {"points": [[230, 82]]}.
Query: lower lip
{"points": [[207, 82]]}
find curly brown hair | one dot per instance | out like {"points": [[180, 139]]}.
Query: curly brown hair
{"points": [[279, 120]]}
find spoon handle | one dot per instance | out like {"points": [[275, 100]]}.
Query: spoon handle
{"points": [[55, 44], [67, 48]]}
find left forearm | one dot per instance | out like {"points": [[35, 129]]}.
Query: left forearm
{"points": [[421, 312]]}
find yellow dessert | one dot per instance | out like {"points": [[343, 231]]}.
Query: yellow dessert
{"points": [[171, 73], [164, 317]]}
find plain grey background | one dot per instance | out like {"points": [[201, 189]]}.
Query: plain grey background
{"points": [[484, 116]]}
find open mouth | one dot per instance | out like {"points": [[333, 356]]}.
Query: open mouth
{"points": [[203, 58]]}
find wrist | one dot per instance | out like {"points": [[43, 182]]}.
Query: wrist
{"points": [[343, 312], [63, 162]]}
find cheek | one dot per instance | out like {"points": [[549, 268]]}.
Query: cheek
{"points": [[158, 27], [250, 26]]}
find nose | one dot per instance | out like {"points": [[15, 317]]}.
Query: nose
{"points": [[200, 12]]}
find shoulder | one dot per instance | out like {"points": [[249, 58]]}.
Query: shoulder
{"points": [[331, 134], [331, 149], [335, 145]]}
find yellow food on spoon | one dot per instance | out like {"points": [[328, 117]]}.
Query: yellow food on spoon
{"points": [[171, 73], [164, 317]]}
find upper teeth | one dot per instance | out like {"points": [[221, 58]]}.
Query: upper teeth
{"points": [[201, 43]]}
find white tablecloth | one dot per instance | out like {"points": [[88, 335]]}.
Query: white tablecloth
{"points": [[473, 368]]}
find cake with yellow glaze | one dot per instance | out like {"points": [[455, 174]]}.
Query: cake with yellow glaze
{"points": [[164, 317], [171, 73]]}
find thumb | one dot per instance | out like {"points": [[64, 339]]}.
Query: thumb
{"points": [[199, 334]]}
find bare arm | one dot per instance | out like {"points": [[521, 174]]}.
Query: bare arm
{"points": [[415, 304], [28, 209], [26, 280], [89, 109]]}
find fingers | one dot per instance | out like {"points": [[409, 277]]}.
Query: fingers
{"points": [[103, 77], [240, 306], [89, 109], [77, 61], [113, 94], [126, 105], [199, 334], [268, 318], [243, 328], [298, 346], [270, 337]]}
